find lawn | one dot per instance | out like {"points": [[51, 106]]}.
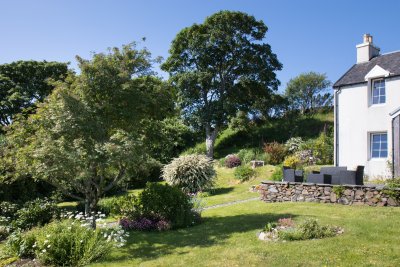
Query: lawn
{"points": [[227, 237]]}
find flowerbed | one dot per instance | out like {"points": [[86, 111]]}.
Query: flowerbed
{"points": [[287, 230]]}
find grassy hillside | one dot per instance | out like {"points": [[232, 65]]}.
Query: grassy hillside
{"points": [[231, 140]]}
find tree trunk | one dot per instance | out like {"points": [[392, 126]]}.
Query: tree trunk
{"points": [[90, 209], [211, 135]]}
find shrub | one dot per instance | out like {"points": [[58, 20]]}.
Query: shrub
{"points": [[277, 175], [323, 148], [191, 173], [8, 209], [292, 161], [307, 157], [294, 144], [276, 152], [246, 155], [232, 161], [309, 229], [167, 202], [338, 190], [244, 173], [35, 213], [64, 243], [221, 162], [145, 224]]}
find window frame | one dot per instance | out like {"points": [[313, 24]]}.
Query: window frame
{"points": [[379, 91], [380, 149]]}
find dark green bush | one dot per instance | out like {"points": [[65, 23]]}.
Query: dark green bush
{"points": [[35, 213], [244, 173], [276, 152], [166, 201]]}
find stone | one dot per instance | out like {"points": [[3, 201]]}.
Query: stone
{"points": [[381, 204], [359, 193], [369, 194], [333, 197], [273, 189], [358, 203], [392, 202], [375, 200], [344, 201], [300, 198], [304, 192], [347, 192], [328, 189]]}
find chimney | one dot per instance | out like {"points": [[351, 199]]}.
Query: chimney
{"points": [[366, 50]]}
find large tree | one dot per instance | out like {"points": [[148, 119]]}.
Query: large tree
{"points": [[24, 83], [308, 91], [87, 135], [220, 67]]}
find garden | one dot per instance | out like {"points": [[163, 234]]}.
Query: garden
{"points": [[114, 166]]}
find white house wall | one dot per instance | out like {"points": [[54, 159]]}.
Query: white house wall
{"points": [[357, 119]]}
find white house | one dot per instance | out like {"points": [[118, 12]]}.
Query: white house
{"points": [[367, 112]]}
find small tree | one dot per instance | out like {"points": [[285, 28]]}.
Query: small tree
{"points": [[86, 137], [220, 67], [308, 91]]}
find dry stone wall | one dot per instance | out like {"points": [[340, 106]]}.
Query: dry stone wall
{"points": [[325, 193]]}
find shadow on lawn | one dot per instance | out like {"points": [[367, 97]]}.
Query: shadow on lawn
{"points": [[211, 231], [220, 191]]}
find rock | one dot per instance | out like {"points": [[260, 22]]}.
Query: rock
{"points": [[392, 202], [347, 192], [333, 197], [359, 193], [300, 198], [327, 189], [375, 200], [262, 236], [273, 189], [369, 194], [344, 201], [304, 192]]}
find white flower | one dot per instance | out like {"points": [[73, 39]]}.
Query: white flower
{"points": [[46, 241], [44, 251], [47, 236], [81, 241], [48, 246]]}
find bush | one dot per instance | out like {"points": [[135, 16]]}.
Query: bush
{"points": [[64, 243], [244, 173], [292, 161], [294, 144], [8, 209], [276, 152], [145, 224], [35, 213], [323, 148], [191, 173], [164, 201], [232, 161], [277, 175], [246, 155], [309, 229]]}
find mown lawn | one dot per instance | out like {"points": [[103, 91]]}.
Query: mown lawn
{"points": [[227, 237]]}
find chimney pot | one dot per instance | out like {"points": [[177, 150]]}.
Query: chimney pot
{"points": [[366, 51]]}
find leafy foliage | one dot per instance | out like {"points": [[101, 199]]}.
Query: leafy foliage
{"points": [[307, 92], [276, 152], [65, 243], [191, 173], [88, 134], [35, 213], [244, 173], [167, 202], [294, 144], [232, 161], [292, 161], [24, 83], [220, 67], [309, 229], [277, 175]]}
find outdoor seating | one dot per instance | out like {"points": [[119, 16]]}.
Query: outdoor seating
{"points": [[292, 175], [337, 176]]}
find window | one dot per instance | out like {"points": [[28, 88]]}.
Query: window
{"points": [[378, 92], [379, 145]]}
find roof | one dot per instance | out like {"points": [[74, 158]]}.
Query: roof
{"points": [[356, 74]]}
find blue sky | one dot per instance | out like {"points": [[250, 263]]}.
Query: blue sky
{"points": [[306, 35]]}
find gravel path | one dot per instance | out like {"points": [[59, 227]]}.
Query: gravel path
{"points": [[231, 203]]}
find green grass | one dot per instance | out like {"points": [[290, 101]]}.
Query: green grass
{"points": [[227, 237], [228, 189]]}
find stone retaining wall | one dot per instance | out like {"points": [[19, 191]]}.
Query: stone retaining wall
{"points": [[325, 193]]}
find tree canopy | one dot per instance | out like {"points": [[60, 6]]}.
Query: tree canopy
{"points": [[88, 134], [308, 91], [24, 83], [220, 67]]}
